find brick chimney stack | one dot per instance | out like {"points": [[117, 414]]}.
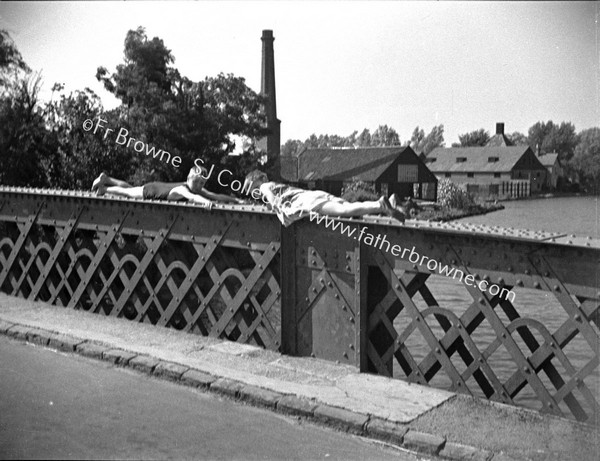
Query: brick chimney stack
{"points": [[267, 88], [500, 128]]}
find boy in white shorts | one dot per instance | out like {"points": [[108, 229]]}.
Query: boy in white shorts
{"points": [[292, 203]]}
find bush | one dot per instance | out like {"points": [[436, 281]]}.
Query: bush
{"points": [[451, 195], [359, 191]]}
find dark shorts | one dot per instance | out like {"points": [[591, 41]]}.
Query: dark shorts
{"points": [[159, 190]]}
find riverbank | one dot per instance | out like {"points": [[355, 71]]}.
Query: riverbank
{"points": [[449, 214]]}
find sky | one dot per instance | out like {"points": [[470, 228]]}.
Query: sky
{"points": [[347, 65]]}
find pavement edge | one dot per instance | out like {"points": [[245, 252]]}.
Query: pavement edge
{"points": [[365, 425]]}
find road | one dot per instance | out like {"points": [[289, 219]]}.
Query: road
{"points": [[63, 406]]}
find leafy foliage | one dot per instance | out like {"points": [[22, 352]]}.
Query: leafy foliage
{"points": [[550, 137], [586, 160], [478, 137], [426, 143], [46, 144], [358, 191], [451, 195]]}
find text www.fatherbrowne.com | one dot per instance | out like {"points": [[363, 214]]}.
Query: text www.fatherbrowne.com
{"points": [[396, 250]]}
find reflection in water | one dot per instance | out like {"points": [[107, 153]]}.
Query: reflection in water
{"points": [[574, 215]]}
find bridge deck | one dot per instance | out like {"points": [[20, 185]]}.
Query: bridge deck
{"points": [[234, 272]]}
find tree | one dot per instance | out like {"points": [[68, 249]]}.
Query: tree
{"points": [[385, 136], [186, 118], [518, 139], [586, 159], [426, 143], [474, 138], [11, 61], [291, 147], [25, 150], [550, 137]]}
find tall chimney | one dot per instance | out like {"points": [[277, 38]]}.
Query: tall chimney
{"points": [[267, 88], [499, 128]]}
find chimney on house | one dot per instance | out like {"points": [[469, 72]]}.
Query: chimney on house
{"points": [[500, 128], [267, 88]]}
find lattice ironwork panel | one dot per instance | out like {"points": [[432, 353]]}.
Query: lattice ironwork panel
{"points": [[491, 347], [180, 267]]}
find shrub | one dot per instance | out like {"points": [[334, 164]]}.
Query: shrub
{"points": [[359, 191], [451, 195]]}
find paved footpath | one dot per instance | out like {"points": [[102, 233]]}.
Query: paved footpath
{"points": [[63, 406], [418, 418]]}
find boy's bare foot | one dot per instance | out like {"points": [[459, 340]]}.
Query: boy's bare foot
{"points": [[100, 181], [394, 200], [388, 209], [100, 189]]}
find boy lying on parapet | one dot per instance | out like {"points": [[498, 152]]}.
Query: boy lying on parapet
{"points": [[291, 203], [192, 190]]}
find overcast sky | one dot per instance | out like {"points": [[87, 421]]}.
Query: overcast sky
{"points": [[343, 66]]}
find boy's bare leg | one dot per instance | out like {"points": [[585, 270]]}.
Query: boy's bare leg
{"points": [[129, 192], [105, 180], [347, 209]]}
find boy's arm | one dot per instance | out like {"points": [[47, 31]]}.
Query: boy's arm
{"points": [[183, 192], [220, 197], [268, 194]]}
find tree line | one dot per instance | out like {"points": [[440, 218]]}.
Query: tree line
{"points": [[44, 144], [579, 153]]}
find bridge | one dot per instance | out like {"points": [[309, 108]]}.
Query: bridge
{"points": [[235, 273]]}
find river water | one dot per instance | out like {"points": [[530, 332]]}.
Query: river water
{"points": [[572, 215]]}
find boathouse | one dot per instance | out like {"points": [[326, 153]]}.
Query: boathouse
{"points": [[497, 169], [394, 169]]}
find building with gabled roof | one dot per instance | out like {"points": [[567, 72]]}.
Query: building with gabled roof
{"points": [[394, 169], [499, 168], [551, 162]]}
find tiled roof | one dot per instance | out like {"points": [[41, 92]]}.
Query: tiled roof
{"points": [[366, 164], [499, 139], [548, 159], [477, 159]]}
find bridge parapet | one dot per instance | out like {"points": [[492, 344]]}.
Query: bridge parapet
{"points": [[235, 273]]}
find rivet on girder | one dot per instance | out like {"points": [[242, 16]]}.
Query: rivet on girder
{"points": [[577, 317], [481, 301], [501, 280], [520, 282], [351, 319], [556, 288], [537, 285]]}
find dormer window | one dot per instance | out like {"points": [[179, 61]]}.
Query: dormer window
{"points": [[461, 159], [493, 159]]}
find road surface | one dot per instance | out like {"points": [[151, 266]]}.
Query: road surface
{"points": [[56, 405]]}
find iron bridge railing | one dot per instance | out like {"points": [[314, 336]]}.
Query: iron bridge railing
{"points": [[235, 273]]}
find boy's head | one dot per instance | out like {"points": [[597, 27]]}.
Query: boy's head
{"points": [[196, 178], [255, 179]]}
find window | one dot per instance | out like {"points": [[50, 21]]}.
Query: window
{"points": [[496, 175], [470, 175], [447, 175], [408, 173], [461, 159], [493, 159]]}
